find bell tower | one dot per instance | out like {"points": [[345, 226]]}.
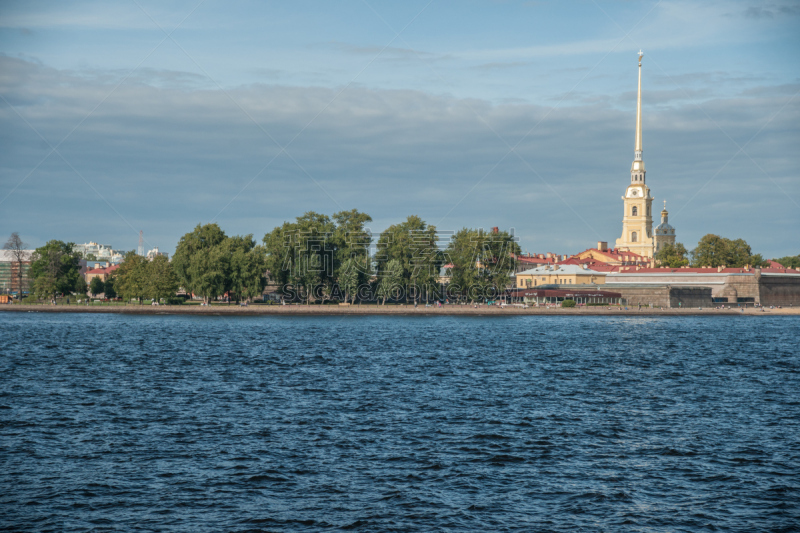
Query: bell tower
{"points": [[637, 219]]}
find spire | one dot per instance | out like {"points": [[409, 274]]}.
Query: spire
{"points": [[638, 147], [664, 214]]}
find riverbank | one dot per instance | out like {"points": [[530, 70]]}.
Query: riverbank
{"points": [[304, 310]]}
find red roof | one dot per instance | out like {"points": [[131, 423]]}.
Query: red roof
{"points": [[106, 270], [706, 270], [617, 255]]}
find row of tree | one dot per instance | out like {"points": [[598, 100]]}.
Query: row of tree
{"points": [[713, 251], [323, 258], [317, 257]]}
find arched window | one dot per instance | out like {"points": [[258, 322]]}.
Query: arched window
{"points": [[634, 211], [633, 236], [648, 210]]}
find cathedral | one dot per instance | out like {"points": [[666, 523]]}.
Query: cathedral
{"points": [[637, 220]]}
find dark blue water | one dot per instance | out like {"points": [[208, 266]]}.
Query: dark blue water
{"points": [[399, 424]]}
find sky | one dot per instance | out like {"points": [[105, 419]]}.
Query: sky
{"points": [[117, 117]]}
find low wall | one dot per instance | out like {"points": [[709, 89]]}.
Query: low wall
{"points": [[655, 296], [690, 297], [665, 296]]}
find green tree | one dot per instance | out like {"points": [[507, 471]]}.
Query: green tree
{"points": [[390, 279], [80, 286], [483, 262], [302, 254], [413, 243], [96, 286], [247, 267], [108, 288], [714, 251], [350, 244], [132, 276], [672, 256], [45, 286], [160, 279], [59, 265], [199, 262], [348, 279], [789, 261]]}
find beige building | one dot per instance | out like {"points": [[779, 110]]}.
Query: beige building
{"points": [[637, 219], [558, 275]]}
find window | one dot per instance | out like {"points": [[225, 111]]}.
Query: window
{"points": [[634, 211], [633, 237]]}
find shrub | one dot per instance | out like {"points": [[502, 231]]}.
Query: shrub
{"points": [[568, 303], [175, 300]]}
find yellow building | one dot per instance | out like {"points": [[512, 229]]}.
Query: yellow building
{"points": [[558, 275], [637, 219]]}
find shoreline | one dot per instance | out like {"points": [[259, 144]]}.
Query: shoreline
{"points": [[449, 310]]}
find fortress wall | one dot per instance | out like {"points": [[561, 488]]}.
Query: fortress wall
{"points": [[779, 290]]}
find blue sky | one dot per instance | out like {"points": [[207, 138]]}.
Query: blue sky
{"points": [[472, 113]]}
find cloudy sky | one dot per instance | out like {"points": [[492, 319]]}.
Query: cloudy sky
{"points": [[136, 115]]}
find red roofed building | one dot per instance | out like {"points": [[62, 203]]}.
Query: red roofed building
{"points": [[102, 273], [528, 261]]}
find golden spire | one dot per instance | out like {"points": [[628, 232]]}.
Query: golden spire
{"points": [[638, 147]]}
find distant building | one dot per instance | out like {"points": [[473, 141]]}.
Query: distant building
{"points": [[558, 275], [527, 261], [665, 234], [102, 273], [101, 252], [10, 270], [602, 256], [152, 254]]}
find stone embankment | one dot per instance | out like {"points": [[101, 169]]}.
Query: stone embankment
{"points": [[409, 310]]}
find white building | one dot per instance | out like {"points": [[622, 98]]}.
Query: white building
{"points": [[155, 253]]}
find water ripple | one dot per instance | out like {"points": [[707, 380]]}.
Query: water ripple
{"points": [[113, 422]]}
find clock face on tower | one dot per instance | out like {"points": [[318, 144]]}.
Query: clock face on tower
{"points": [[634, 192]]}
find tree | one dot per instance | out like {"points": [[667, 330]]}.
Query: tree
{"points": [[45, 286], [350, 243], [302, 254], [96, 286], [199, 264], [160, 279], [413, 244], [714, 251], [483, 262], [80, 286], [16, 248], [390, 280], [247, 266], [108, 288], [131, 277], [348, 279], [789, 261], [672, 256], [58, 266]]}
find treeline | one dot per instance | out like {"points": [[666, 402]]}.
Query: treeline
{"points": [[317, 257], [711, 251], [333, 258]]}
